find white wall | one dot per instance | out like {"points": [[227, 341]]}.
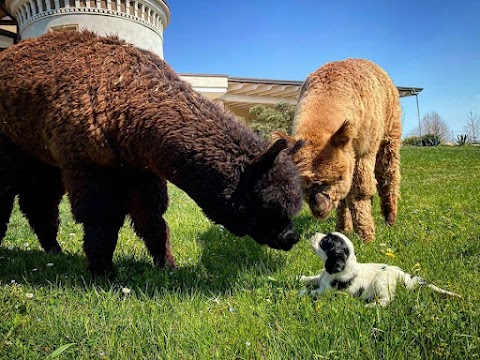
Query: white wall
{"points": [[131, 31]]}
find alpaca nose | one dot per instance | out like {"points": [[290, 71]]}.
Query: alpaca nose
{"points": [[289, 235]]}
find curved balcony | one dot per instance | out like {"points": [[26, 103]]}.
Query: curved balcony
{"points": [[140, 22]]}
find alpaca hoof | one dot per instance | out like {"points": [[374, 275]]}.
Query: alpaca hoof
{"points": [[367, 237], [54, 250], [167, 262], [391, 219], [102, 272]]}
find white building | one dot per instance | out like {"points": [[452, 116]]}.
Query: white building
{"points": [[141, 22]]}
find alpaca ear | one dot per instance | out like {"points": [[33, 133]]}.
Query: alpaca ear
{"points": [[293, 144], [343, 136], [264, 161]]}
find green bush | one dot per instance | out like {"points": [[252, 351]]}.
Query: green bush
{"points": [[412, 141], [265, 119], [431, 140], [424, 140]]}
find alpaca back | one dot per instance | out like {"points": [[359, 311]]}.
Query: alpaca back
{"points": [[77, 100], [353, 90]]}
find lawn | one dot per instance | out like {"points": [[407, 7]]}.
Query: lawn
{"points": [[233, 299]]}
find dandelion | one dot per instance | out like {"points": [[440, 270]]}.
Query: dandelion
{"points": [[390, 254], [232, 309], [49, 264], [126, 291], [417, 267], [102, 353], [248, 343], [29, 295]]}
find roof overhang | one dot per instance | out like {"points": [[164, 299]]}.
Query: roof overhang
{"points": [[240, 94]]}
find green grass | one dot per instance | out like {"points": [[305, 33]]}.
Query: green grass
{"points": [[233, 299]]}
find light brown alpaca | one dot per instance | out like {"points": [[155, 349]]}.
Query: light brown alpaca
{"points": [[349, 117]]}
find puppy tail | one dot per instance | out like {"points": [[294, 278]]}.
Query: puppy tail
{"points": [[412, 281]]}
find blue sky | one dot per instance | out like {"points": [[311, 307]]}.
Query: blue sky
{"points": [[429, 44]]}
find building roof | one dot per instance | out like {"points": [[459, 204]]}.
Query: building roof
{"points": [[239, 94]]}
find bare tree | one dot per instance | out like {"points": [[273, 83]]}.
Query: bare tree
{"points": [[472, 127], [433, 123]]}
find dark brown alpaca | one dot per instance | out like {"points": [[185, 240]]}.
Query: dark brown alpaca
{"points": [[118, 122]]}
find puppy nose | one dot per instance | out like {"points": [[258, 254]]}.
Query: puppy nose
{"points": [[316, 238]]}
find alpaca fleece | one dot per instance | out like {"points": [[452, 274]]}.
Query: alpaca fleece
{"points": [[35, 183], [118, 122], [349, 115]]}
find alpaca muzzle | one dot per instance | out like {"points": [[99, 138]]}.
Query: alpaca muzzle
{"points": [[286, 240], [321, 205]]}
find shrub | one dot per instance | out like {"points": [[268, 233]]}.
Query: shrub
{"points": [[412, 141], [462, 140], [431, 140]]}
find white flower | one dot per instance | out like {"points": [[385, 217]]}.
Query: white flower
{"points": [[126, 291], [248, 343], [232, 309], [12, 281], [49, 264], [35, 269], [10, 247], [29, 295]]}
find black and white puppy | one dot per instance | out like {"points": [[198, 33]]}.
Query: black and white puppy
{"points": [[372, 282]]}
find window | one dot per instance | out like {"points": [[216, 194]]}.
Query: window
{"points": [[71, 27]]}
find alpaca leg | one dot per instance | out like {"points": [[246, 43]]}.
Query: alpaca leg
{"points": [[39, 201], [387, 172], [8, 180], [148, 203], [344, 222], [7, 198], [360, 198], [98, 202]]}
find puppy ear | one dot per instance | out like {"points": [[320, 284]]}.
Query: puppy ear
{"points": [[337, 253], [336, 263]]}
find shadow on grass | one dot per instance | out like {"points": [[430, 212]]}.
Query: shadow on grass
{"points": [[226, 262]]}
